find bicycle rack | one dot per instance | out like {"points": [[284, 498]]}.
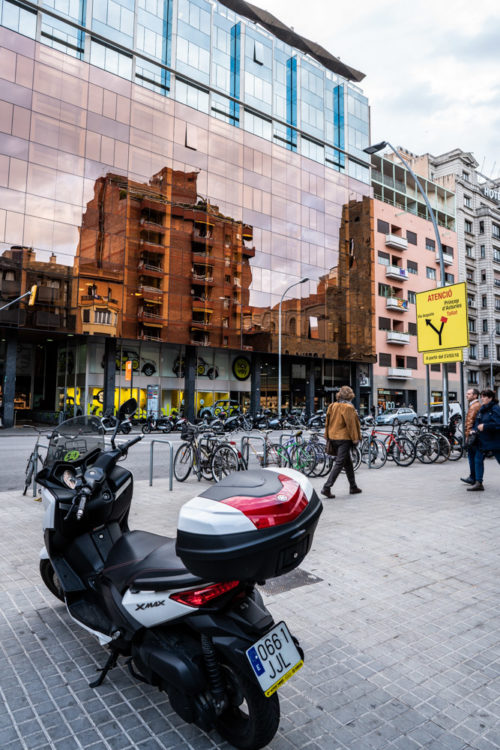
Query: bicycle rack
{"points": [[245, 441], [171, 467], [286, 435]]}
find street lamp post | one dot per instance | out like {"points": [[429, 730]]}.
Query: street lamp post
{"points": [[295, 283], [373, 150]]}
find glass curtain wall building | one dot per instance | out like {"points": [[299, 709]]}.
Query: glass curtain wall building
{"points": [[167, 169]]}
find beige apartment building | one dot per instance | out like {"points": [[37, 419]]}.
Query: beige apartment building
{"points": [[406, 261]]}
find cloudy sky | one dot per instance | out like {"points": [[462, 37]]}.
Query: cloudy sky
{"points": [[432, 67]]}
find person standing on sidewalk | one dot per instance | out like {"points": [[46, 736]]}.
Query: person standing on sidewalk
{"points": [[487, 426], [472, 396], [343, 429]]}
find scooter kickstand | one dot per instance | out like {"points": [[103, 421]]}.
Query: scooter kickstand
{"points": [[111, 662]]}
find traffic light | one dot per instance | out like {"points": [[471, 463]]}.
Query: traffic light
{"points": [[32, 298]]}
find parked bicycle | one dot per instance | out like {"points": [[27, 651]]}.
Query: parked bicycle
{"points": [[194, 453], [34, 458]]}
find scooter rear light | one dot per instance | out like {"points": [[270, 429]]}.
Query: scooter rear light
{"points": [[272, 510], [199, 597]]}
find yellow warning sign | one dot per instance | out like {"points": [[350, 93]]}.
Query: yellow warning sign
{"points": [[442, 318], [447, 355]]}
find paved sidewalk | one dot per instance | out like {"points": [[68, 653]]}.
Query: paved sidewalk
{"points": [[399, 619]]}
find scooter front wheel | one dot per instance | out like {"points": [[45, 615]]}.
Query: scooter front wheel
{"points": [[251, 720], [50, 579]]}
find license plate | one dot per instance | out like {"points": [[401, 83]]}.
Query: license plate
{"points": [[274, 658]]}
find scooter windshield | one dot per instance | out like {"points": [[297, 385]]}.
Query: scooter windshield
{"points": [[74, 439]]}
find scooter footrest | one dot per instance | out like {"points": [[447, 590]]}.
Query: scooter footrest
{"points": [[91, 616]]}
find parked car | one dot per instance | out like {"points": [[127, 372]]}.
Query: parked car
{"points": [[397, 416], [222, 405], [139, 364], [454, 409]]}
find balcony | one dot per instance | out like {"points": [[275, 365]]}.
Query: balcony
{"points": [[205, 276], [150, 293], [149, 224], [395, 303], [395, 272], [447, 258], [11, 288], [202, 341], [201, 325], [200, 255], [150, 319], [149, 246], [152, 203], [397, 337], [43, 319], [202, 304], [13, 316], [203, 235], [399, 373], [396, 242], [149, 269]]}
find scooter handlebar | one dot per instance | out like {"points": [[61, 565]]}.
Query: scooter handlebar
{"points": [[123, 447]]}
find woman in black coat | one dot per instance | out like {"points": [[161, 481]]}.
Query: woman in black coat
{"points": [[487, 428]]}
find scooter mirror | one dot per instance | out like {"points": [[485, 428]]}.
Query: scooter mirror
{"points": [[127, 409]]}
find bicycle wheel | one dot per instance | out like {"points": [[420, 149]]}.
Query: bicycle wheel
{"points": [[205, 458], [183, 461], [355, 457], [30, 468], [224, 461], [303, 458], [388, 443], [427, 449], [403, 451], [456, 449], [373, 453], [276, 455], [444, 449], [321, 457]]}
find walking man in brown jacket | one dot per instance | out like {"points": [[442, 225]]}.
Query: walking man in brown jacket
{"points": [[343, 429], [474, 406]]}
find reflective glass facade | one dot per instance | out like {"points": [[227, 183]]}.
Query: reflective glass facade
{"points": [[167, 169]]}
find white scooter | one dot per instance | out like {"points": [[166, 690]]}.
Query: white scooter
{"points": [[184, 612], [110, 423]]}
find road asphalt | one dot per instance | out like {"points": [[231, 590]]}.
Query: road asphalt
{"points": [[397, 608]]}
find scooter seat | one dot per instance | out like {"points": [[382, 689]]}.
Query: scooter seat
{"points": [[146, 562]]}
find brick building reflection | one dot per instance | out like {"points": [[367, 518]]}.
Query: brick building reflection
{"points": [[19, 270], [337, 320], [155, 262]]}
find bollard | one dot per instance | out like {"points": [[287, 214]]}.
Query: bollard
{"points": [[171, 466]]}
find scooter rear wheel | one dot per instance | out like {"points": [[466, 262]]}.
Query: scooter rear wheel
{"points": [[251, 720], [50, 579]]}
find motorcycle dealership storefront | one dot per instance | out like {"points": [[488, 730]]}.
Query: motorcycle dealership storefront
{"points": [[73, 375]]}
